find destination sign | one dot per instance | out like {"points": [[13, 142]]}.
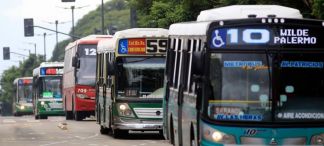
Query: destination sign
{"points": [[142, 46], [273, 36], [25, 81], [51, 71]]}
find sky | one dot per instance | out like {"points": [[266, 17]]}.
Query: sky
{"points": [[44, 12]]}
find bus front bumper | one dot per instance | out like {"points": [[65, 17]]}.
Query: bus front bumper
{"points": [[146, 127]]}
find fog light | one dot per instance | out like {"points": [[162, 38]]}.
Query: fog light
{"points": [[217, 136], [121, 113], [226, 138], [42, 103], [319, 139], [207, 132]]}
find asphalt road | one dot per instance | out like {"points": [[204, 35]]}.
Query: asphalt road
{"points": [[26, 131]]}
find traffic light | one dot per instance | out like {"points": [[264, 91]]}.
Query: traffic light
{"points": [[112, 29], [29, 27], [6, 53], [96, 30]]}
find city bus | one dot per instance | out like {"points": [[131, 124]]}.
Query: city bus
{"points": [[79, 77], [247, 75], [130, 70], [22, 96], [47, 90]]}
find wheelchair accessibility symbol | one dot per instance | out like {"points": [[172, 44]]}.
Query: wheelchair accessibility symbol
{"points": [[218, 38], [123, 48]]}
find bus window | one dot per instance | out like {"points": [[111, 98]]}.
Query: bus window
{"points": [[139, 77], [239, 84]]}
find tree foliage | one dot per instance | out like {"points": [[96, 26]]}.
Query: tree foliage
{"points": [[25, 69], [116, 12], [163, 13]]}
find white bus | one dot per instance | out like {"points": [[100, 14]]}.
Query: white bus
{"points": [[47, 90], [22, 96]]}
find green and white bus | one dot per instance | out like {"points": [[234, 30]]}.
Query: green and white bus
{"points": [[130, 69], [22, 96], [246, 75], [47, 90]]}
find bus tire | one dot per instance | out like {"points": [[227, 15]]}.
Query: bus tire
{"points": [[104, 130], [192, 137], [36, 117], [42, 117], [69, 115], [119, 133], [78, 116], [172, 141]]}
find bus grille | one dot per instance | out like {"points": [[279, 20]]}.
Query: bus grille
{"points": [[149, 112]]}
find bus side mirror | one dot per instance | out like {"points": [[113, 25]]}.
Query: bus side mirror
{"points": [[197, 66], [110, 68], [35, 83], [75, 62]]}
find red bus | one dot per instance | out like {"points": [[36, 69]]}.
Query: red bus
{"points": [[79, 77]]}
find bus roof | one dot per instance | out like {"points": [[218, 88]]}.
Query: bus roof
{"points": [[91, 39], [16, 80], [106, 45], [47, 64], [205, 17], [141, 32], [109, 44]]}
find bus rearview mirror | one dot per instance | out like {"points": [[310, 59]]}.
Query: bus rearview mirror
{"points": [[75, 62], [110, 68]]}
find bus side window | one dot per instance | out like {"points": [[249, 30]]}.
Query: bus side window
{"points": [[177, 63], [99, 69], [170, 63], [195, 47], [185, 62]]}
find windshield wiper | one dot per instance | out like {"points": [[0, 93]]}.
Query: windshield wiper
{"points": [[270, 83]]}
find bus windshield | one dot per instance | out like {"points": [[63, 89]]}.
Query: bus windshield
{"points": [[85, 75], [50, 87], [240, 87], [140, 77], [25, 92]]}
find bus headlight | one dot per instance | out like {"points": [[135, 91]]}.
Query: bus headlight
{"points": [[213, 135], [122, 107], [42, 103], [128, 112], [317, 139], [22, 107]]}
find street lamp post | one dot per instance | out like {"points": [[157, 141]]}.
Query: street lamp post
{"points": [[44, 34], [72, 8], [102, 18], [32, 44], [56, 23]]}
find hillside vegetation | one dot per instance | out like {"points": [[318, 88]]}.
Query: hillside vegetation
{"points": [[116, 13]]}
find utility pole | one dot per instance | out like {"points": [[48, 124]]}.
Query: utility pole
{"points": [[72, 8], [32, 44], [44, 34], [102, 18]]}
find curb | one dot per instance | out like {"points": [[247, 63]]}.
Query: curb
{"points": [[62, 126]]}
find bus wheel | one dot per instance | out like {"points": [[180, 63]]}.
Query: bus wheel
{"points": [[119, 133], [78, 116], [69, 115], [36, 117], [104, 130], [42, 116]]}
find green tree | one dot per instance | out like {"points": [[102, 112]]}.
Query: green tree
{"points": [[25, 69], [163, 13]]}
